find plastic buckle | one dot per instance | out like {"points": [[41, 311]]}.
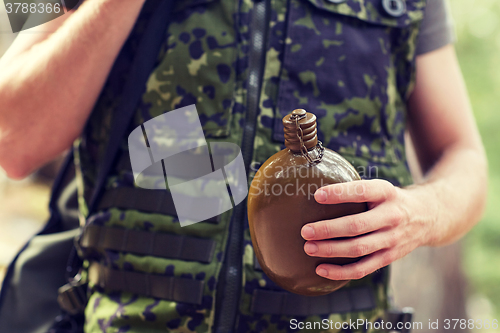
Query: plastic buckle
{"points": [[72, 297]]}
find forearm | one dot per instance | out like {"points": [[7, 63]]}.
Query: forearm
{"points": [[48, 91], [449, 148], [453, 194]]}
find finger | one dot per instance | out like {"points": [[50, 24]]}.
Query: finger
{"points": [[374, 190], [352, 248], [353, 225], [360, 269]]}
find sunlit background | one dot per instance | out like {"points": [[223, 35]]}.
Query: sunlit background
{"points": [[419, 280], [478, 48]]}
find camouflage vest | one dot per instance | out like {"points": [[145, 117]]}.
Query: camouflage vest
{"points": [[350, 62]]}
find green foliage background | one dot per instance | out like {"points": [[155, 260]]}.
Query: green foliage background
{"points": [[478, 47]]}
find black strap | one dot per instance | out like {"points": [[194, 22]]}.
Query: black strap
{"points": [[148, 243], [400, 318], [148, 285], [256, 264], [143, 64], [123, 163], [65, 175], [150, 201], [344, 300]]}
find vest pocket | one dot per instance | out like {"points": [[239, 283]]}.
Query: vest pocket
{"points": [[196, 67], [351, 64]]}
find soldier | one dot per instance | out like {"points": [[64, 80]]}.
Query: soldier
{"points": [[368, 69]]}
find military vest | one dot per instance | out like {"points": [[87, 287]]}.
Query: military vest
{"points": [[245, 64]]}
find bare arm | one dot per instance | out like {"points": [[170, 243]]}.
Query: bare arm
{"points": [[443, 207], [448, 145], [50, 82]]}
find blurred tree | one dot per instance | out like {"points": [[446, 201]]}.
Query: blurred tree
{"points": [[478, 29]]}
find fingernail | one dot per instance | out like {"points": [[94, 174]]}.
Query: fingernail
{"points": [[320, 196], [322, 272], [308, 232], [311, 248]]}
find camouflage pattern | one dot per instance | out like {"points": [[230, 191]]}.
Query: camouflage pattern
{"points": [[350, 64]]}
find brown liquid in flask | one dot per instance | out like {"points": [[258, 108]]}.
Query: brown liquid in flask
{"points": [[281, 201]]}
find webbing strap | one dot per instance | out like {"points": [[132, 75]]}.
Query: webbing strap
{"points": [[148, 285], [143, 64], [150, 201], [123, 164], [148, 243], [344, 300]]}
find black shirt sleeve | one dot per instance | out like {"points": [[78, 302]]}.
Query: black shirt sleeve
{"points": [[437, 28]]}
